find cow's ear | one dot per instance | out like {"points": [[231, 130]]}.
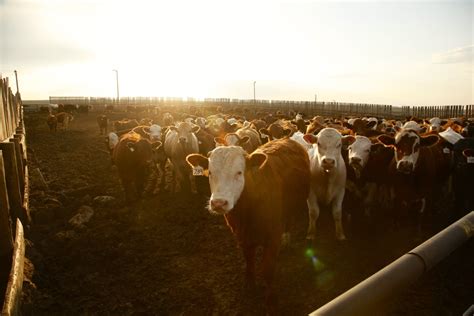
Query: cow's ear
{"points": [[156, 145], [387, 140], [429, 140], [220, 141], [468, 152], [195, 129], [173, 128], [287, 132], [370, 124], [310, 138], [264, 131], [243, 140], [347, 141], [195, 160], [256, 160]]}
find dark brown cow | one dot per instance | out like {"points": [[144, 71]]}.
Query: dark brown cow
{"points": [[240, 186], [133, 156], [103, 122]]}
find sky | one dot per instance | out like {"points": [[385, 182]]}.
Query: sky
{"points": [[385, 52]]}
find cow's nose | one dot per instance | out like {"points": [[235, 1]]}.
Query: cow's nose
{"points": [[356, 160], [218, 204], [182, 139], [405, 166], [329, 161]]}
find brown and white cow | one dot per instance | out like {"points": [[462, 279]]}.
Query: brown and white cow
{"points": [[181, 141], [103, 123], [259, 195], [133, 156], [328, 177], [245, 137], [52, 122], [64, 118], [417, 169]]}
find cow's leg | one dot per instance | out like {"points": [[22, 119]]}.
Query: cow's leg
{"points": [[270, 254], [337, 215], [313, 212], [249, 255], [178, 179]]}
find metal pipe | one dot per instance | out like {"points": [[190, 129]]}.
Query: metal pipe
{"points": [[117, 81], [372, 294]]}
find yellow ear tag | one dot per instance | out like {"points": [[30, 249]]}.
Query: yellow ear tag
{"points": [[470, 159]]}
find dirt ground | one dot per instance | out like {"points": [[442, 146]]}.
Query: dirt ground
{"points": [[166, 255]]}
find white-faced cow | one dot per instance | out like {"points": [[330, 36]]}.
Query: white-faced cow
{"points": [[258, 194], [417, 169], [181, 141], [328, 177]]}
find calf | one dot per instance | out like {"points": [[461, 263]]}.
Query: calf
{"points": [[103, 123], [133, 156], [240, 185], [328, 177], [181, 141]]}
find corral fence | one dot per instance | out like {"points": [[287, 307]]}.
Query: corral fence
{"points": [[13, 197], [310, 108]]}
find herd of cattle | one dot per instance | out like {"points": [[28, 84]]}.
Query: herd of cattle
{"points": [[260, 170]]}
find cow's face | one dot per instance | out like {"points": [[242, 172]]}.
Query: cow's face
{"points": [[226, 170], [407, 145], [359, 152], [155, 132], [328, 147], [185, 132]]}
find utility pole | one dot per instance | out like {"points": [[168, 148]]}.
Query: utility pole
{"points": [[16, 78], [254, 91], [316, 98], [117, 81]]}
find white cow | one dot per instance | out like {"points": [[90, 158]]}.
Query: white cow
{"points": [[328, 177], [181, 141], [155, 132]]}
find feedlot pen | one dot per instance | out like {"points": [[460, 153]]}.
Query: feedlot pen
{"points": [[166, 255]]}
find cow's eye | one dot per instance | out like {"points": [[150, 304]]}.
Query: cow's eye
{"points": [[239, 173], [209, 173]]}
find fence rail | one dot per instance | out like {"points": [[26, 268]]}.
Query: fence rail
{"points": [[13, 187], [310, 108]]}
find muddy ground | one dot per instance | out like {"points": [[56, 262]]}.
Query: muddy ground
{"points": [[166, 255]]}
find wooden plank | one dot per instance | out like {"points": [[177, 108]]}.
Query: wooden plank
{"points": [[6, 236], [13, 183], [20, 163], [12, 303]]}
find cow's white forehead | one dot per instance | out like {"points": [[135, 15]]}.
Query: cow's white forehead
{"points": [[412, 125], [231, 139], [404, 132], [436, 121], [328, 135], [224, 156], [361, 142]]}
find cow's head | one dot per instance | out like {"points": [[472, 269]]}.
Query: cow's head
{"points": [[328, 147], [359, 152], [185, 131], [406, 145], [226, 167], [155, 132]]}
